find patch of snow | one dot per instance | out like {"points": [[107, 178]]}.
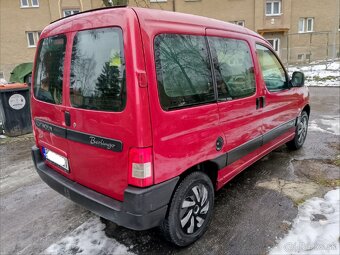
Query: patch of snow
{"points": [[3, 136], [88, 238], [319, 74], [316, 230], [327, 124], [334, 66], [333, 125], [314, 127], [3, 81]]}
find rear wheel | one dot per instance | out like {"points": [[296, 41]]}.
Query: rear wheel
{"points": [[300, 133], [190, 210]]}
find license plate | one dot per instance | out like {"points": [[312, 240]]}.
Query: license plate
{"points": [[56, 159]]}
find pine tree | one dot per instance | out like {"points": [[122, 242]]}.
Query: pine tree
{"points": [[108, 86]]}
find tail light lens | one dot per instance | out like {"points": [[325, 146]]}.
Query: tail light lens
{"points": [[140, 167]]}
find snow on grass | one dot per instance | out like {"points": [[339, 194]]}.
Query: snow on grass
{"points": [[319, 74], [316, 230], [88, 238]]}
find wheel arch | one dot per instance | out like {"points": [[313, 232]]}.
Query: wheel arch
{"points": [[307, 109], [209, 167]]}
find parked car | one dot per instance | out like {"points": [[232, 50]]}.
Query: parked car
{"points": [[141, 115]]}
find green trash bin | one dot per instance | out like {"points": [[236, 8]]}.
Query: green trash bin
{"points": [[15, 113]]}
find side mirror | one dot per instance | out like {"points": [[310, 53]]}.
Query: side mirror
{"points": [[298, 79]]}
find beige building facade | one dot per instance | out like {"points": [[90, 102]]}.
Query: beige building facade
{"points": [[299, 30], [21, 22]]}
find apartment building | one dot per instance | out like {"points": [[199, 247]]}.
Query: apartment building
{"points": [[299, 30], [21, 22]]}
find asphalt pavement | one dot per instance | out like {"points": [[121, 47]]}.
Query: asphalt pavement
{"points": [[251, 212]]}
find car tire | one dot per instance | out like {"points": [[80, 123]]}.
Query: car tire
{"points": [[190, 210], [300, 132]]}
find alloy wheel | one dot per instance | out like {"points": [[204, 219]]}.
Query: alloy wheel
{"points": [[302, 129], [194, 208]]}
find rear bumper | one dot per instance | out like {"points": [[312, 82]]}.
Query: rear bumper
{"points": [[143, 208]]}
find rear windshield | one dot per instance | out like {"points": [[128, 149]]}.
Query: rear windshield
{"points": [[48, 78], [98, 70]]}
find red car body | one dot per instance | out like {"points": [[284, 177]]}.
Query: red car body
{"points": [[223, 136]]}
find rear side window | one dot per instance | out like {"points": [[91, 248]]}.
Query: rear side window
{"points": [[98, 70], [48, 78], [273, 72], [234, 68], [183, 71]]}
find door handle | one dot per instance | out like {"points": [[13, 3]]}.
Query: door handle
{"points": [[260, 102], [67, 119], [263, 101]]}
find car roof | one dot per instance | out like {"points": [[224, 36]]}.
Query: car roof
{"points": [[147, 15], [152, 15]]}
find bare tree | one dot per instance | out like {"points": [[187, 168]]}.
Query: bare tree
{"points": [[138, 3]]}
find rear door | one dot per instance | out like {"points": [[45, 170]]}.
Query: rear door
{"points": [[101, 103], [81, 108], [96, 112], [240, 116], [48, 101]]}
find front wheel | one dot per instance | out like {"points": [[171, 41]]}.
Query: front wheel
{"points": [[190, 210], [300, 133]]}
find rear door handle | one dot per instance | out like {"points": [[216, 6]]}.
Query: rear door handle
{"points": [[67, 119]]}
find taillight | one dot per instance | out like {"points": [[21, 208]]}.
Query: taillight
{"points": [[140, 167]]}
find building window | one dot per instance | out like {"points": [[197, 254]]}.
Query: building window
{"points": [[29, 3], [24, 3], [273, 7], [70, 12], [275, 44], [239, 22], [32, 38], [35, 3], [2, 75], [306, 25], [310, 24], [300, 56]]}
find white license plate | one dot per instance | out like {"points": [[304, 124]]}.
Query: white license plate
{"points": [[56, 159]]}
